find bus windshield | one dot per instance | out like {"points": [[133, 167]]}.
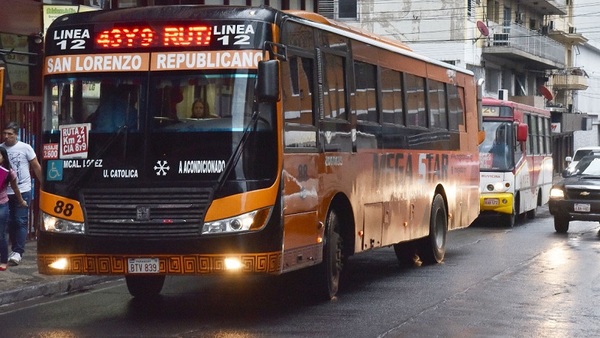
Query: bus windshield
{"points": [[175, 102], [191, 123], [495, 152]]}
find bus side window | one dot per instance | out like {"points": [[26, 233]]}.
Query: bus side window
{"points": [[455, 107], [391, 97], [438, 112], [334, 88], [415, 93], [366, 90], [297, 78]]}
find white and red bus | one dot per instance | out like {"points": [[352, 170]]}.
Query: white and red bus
{"points": [[516, 160], [322, 142]]}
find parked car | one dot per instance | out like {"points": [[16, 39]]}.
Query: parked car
{"points": [[579, 154], [577, 195]]}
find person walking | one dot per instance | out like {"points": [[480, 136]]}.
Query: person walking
{"points": [[7, 176], [22, 159]]}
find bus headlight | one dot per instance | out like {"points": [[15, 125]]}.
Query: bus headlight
{"points": [[254, 220], [498, 187], [55, 224], [557, 193]]}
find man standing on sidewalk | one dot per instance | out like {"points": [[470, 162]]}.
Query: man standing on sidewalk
{"points": [[22, 159]]}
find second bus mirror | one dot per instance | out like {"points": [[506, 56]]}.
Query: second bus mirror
{"points": [[522, 131], [267, 85]]}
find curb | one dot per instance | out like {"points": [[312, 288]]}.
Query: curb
{"points": [[52, 288]]}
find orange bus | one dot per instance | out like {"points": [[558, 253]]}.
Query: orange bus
{"points": [[516, 160], [320, 142]]}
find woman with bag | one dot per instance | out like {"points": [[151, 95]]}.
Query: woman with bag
{"points": [[7, 176]]}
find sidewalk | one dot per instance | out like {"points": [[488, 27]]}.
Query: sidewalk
{"points": [[23, 282]]}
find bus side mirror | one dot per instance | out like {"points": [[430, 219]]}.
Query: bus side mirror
{"points": [[267, 83], [522, 131], [480, 136]]}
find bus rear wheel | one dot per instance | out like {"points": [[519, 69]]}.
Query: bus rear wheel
{"points": [[433, 248], [144, 286], [327, 274], [531, 213]]}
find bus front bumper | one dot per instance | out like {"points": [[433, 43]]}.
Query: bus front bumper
{"points": [[501, 203], [198, 264]]}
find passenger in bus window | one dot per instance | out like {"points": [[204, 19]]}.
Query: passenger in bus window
{"points": [[500, 150], [200, 110]]}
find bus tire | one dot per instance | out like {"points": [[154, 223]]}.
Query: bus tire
{"points": [[510, 220], [433, 247], [328, 273], [531, 213], [144, 286], [561, 224]]}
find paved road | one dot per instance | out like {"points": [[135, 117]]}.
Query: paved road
{"points": [[526, 281]]}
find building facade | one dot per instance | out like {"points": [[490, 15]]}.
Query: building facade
{"points": [[526, 50]]}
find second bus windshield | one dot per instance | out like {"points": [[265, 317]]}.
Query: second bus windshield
{"points": [[496, 151]]}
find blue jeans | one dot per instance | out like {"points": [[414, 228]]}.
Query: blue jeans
{"points": [[18, 222], [3, 226]]}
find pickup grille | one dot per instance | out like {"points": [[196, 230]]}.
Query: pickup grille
{"points": [[145, 213], [588, 194]]}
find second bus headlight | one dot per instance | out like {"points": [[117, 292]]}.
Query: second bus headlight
{"points": [[55, 224], [254, 220]]}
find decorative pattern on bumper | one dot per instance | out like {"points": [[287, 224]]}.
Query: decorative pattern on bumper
{"points": [[169, 265]]}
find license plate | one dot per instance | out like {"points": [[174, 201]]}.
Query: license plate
{"points": [[582, 207], [490, 201], [142, 265]]}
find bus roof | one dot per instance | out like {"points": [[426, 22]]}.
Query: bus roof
{"points": [[490, 101], [318, 21], [321, 19]]}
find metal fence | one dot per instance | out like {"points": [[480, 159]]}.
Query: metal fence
{"points": [[529, 41]]}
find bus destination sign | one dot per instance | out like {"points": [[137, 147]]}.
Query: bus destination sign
{"points": [[217, 35]]}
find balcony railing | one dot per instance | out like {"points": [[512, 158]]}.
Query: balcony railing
{"points": [[570, 80], [518, 38]]}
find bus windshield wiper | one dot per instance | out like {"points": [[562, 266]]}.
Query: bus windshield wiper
{"points": [[234, 158]]}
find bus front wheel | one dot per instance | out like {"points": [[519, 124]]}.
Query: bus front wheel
{"points": [[511, 219], [327, 276], [144, 286], [433, 247]]}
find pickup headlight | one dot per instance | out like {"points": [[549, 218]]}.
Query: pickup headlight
{"points": [[254, 220], [557, 193], [55, 224]]}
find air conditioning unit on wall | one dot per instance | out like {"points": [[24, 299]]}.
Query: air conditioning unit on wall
{"points": [[503, 94]]}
